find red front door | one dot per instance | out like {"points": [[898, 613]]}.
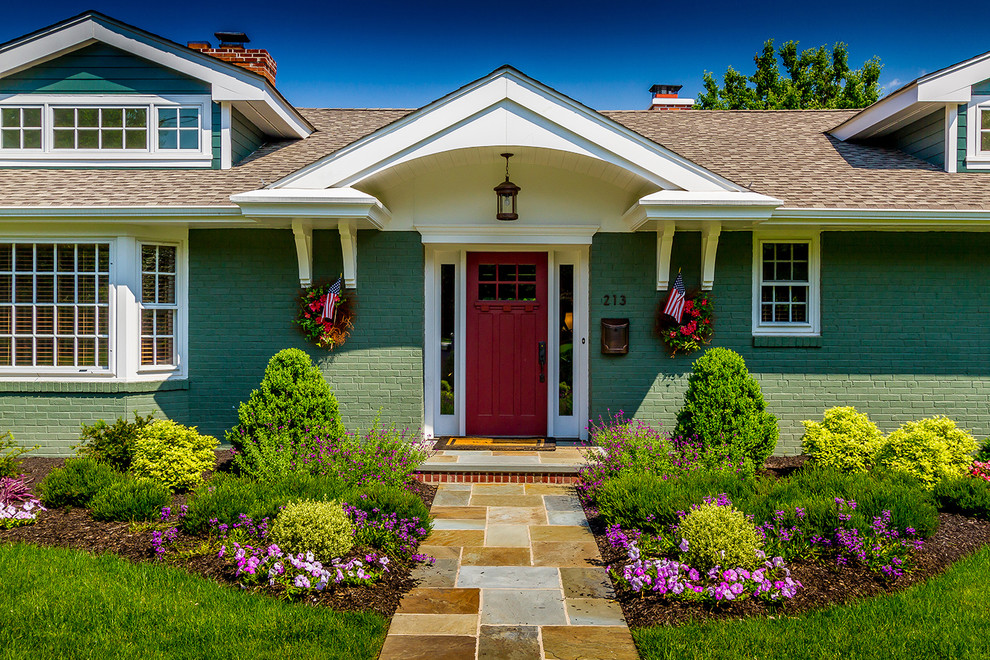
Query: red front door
{"points": [[506, 343]]}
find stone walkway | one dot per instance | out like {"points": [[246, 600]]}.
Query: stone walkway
{"points": [[517, 576]]}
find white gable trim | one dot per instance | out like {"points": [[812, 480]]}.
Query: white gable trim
{"points": [[532, 115], [228, 82], [951, 85]]}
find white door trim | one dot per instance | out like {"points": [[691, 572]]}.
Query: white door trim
{"points": [[436, 424]]}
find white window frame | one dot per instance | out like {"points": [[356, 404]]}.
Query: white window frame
{"points": [[22, 128], [125, 305], [770, 329], [151, 155], [16, 370], [976, 158], [176, 307]]}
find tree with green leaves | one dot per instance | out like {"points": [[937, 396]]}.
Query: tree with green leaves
{"points": [[817, 78]]}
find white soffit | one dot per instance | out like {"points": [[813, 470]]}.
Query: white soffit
{"points": [[332, 204], [951, 85], [228, 82], [506, 109], [692, 210]]}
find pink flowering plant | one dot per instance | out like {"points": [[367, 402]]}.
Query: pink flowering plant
{"points": [[980, 470], [695, 328], [17, 505]]}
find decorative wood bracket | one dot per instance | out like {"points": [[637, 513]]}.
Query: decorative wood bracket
{"points": [[665, 240], [348, 248], [709, 247], [303, 233]]}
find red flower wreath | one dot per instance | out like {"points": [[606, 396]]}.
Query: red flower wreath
{"points": [[695, 328], [325, 333]]}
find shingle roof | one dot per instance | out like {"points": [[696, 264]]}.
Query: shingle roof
{"points": [[785, 154], [788, 155], [162, 187]]}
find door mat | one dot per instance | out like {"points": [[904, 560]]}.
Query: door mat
{"points": [[496, 444]]}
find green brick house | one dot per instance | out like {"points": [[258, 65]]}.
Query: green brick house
{"points": [[162, 205]]}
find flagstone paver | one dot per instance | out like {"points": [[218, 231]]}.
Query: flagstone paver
{"points": [[518, 576]]}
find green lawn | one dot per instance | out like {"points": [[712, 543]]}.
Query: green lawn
{"points": [[947, 617], [57, 603]]}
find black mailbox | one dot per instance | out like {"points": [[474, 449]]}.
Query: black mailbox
{"points": [[615, 336]]}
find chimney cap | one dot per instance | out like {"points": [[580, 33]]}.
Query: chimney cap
{"points": [[231, 38], [660, 89]]}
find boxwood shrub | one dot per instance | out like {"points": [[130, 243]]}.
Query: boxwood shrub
{"points": [[965, 495], [77, 483], [130, 499]]}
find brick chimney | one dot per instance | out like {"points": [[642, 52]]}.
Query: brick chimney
{"points": [[665, 98], [231, 49]]}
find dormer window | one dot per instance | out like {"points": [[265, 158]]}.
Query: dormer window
{"points": [[985, 130], [64, 130], [20, 128], [99, 128], [977, 123]]}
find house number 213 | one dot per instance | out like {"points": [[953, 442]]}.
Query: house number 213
{"points": [[613, 299]]}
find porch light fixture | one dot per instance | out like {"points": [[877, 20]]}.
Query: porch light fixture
{"points": [[505, 193]]}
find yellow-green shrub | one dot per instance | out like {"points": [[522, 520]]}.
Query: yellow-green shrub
{"points": [[845, 440], [172, 454], [318, 527], [931, 450], [719, 536]]}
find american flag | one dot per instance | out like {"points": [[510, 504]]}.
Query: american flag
{"points": [[330, 301], [675, 301]]}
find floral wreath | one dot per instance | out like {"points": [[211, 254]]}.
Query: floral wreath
{"points": [[330, 332], [695, 328]]}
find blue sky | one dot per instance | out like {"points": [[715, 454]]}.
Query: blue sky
{"points": [[605, 54]]}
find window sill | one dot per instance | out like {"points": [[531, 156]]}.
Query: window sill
{"points": [[91, 387], [791, 341]]}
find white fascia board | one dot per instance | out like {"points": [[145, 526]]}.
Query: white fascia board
{"points": [[228, 82], [861, 125], [147, 215], [882, 219], [691, 210], [557, 113], [507, 234], [330, 204]]}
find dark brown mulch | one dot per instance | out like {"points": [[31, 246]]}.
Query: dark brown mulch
{"points": [[823, 582], [781, 466], [74, 528]]}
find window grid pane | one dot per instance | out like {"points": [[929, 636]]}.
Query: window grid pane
{"points": [[159, 307], [110, 128], [20, 128], [784, 286], [49, 314], [178, 129]]}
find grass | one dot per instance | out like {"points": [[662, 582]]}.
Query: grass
{"points": [[58, 603], [945, 617]]}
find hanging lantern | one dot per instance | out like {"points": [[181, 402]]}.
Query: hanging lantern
{"points": [[505, 193]]}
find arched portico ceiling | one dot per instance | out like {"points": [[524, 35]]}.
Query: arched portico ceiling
{"points": [[506, 110], [608, 173]]}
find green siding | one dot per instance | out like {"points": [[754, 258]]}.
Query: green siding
{"points": [[101, 69], [217, 139], [982, 87], [245, 137], [924, 139], [884, 348], [242, 306]]}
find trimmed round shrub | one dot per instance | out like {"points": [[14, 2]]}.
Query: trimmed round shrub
{"points": [[845, 440], [174, 455], [113, 443], [965, 495], [932, 449], [77, 483], [724, 405], [719, 536], [130, 500], [318, 527], [292, 403]]}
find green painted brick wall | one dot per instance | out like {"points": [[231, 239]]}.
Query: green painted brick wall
{"points": [[242, 306], [904, 332]]}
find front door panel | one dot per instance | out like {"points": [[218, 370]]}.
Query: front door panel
{"points": [[506, 324]]}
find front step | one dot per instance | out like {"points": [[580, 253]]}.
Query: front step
{"points": [[454, 466]]}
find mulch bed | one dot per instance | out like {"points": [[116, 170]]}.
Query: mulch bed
{"points": [[824, 583], [74, 528]]}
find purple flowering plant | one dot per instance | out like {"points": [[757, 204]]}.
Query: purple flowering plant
{"points": [[17, 505]]}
